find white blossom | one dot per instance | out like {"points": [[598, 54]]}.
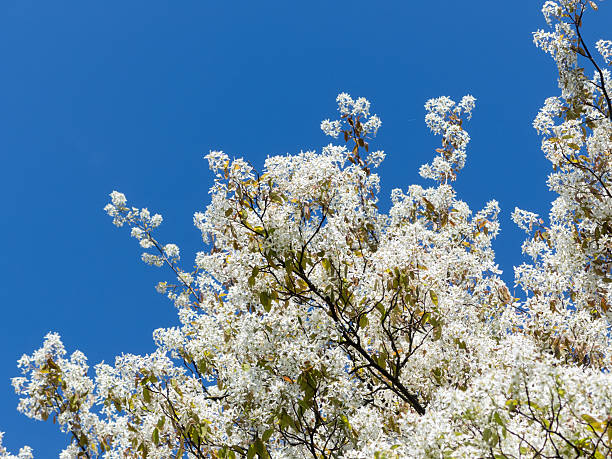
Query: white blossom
{"points": [[171, 250], [315, 324]]}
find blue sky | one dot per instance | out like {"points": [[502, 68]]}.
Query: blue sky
{"points": [[129, 95]]}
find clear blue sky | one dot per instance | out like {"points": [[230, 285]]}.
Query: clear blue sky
{"points": [[129, 95]]}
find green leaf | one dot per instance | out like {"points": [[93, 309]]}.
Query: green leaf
{"points": [[490, 437], [275, 197], [144, 449], [382, 359], [265, 300], [434, 297], [287, 421], [345, 421], [161, 422], [363, 321], [146, 394], [594, 423], [260, 449], [155, 436], [117, 404], [461, 345], [83, 440], [326, 264], [267, 434]]}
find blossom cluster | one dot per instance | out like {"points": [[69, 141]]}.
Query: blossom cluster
{"points": [[444, 117], [316, 325]]}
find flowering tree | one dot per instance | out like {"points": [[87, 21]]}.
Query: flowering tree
{"points": [[314, 325]]}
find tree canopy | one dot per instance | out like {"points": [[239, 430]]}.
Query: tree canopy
{"points": [[315, 325]]}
